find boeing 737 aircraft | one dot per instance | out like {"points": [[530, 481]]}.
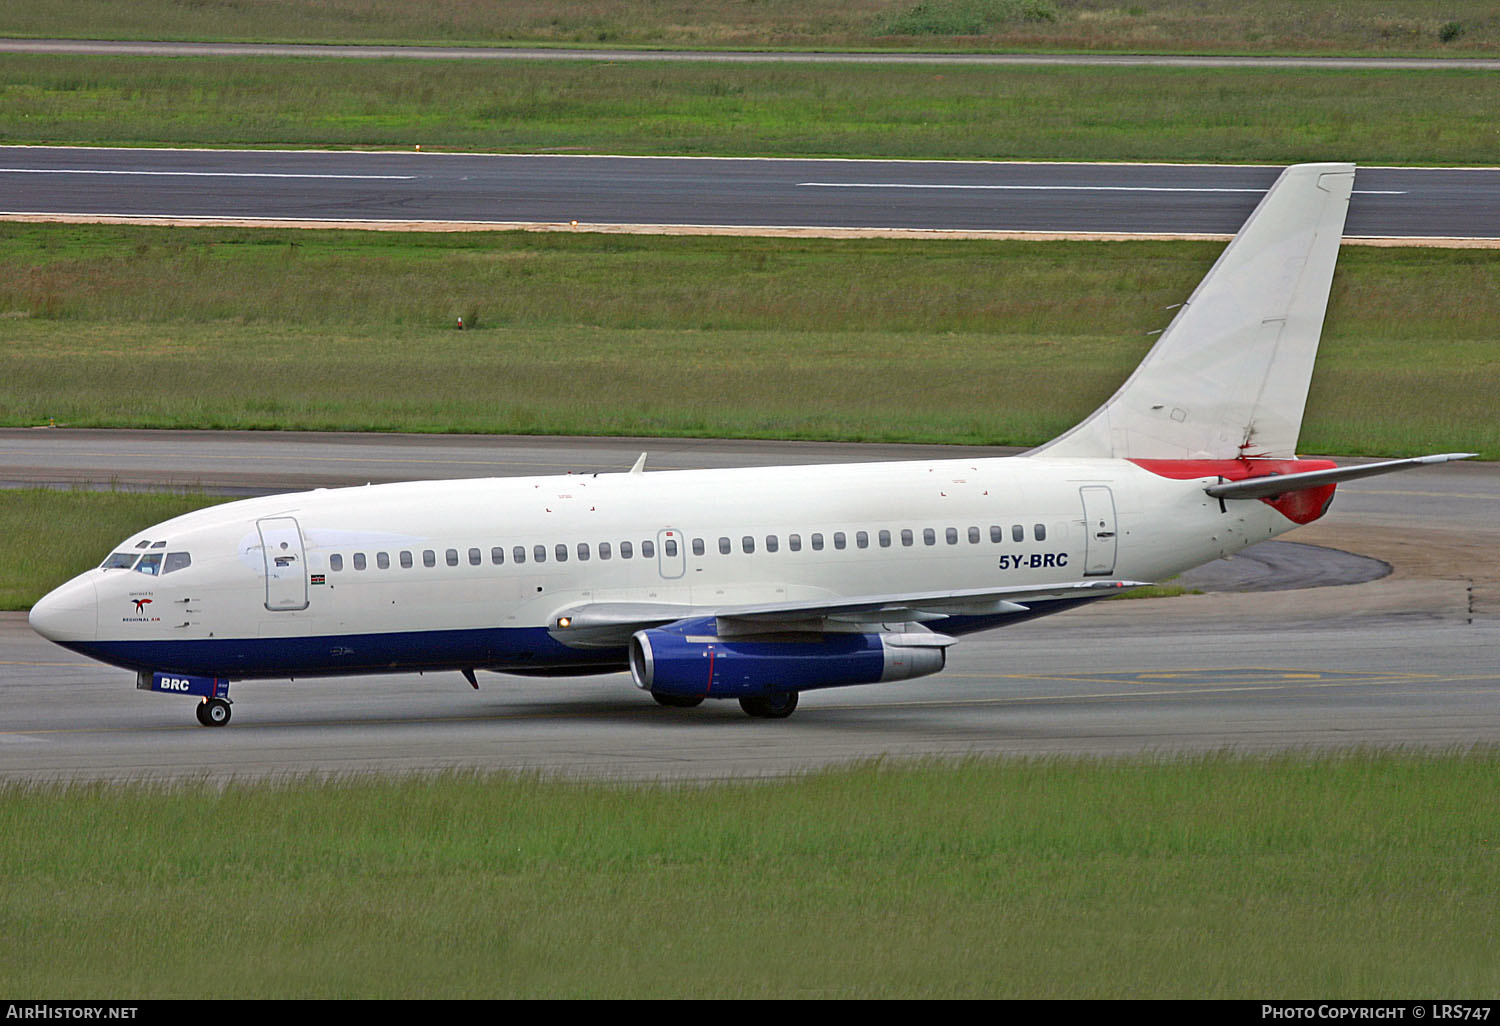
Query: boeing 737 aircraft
{"points": [[758, 584]]}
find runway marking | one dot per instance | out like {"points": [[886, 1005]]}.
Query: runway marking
{"points": [[1243, 675], [1061, 188], [196, 174], [865, 161]]}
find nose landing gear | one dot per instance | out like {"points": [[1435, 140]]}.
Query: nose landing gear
{"points": [[213, 712]]}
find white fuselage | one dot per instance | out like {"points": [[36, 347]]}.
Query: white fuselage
{"points": [[473, 573]]}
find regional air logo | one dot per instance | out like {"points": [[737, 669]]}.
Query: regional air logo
{"points": [[142, 614]]}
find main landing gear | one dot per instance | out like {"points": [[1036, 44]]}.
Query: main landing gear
{"points": [[677, 701], [771, 707], [213, 712], [767, 707]]}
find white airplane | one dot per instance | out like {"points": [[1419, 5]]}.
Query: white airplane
{"points": [[758, 584]]}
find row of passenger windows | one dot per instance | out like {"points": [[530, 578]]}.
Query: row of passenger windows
{"points": [[747, 544]]}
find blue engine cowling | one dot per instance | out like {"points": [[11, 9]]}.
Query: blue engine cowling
{"points": [[690, 661]]}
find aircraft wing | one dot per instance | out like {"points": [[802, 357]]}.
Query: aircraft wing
{"points": [[610, 624]]}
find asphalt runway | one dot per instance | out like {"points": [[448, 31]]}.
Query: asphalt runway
{"points": [[135, 48], [412, 189], [1405, 660]]}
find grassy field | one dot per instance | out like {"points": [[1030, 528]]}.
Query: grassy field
{"points": [[1172, 114], [1216, 877], [878, 340], [1249, 26]]}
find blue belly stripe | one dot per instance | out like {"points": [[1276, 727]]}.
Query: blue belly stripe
{"points": [[500, 648], [243, 658]]}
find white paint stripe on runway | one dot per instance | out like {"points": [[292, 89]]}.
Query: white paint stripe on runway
{"points": [[1059, 188], [192, 174]]}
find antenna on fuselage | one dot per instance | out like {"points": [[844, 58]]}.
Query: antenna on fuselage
{"points": [[640, 465]]}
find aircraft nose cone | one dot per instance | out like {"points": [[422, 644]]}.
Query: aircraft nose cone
{"points": [[68, 613]]}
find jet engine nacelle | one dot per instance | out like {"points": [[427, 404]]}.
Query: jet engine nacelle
{"points": [[672, 662]]}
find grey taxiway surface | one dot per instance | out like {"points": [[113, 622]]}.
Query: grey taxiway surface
{"points": [[412, 188], [1405, 660], [151, 48]]}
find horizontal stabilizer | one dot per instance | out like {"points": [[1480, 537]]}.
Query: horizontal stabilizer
{"points": [[1273, 485]]}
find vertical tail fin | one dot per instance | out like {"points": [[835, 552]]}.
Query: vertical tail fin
{"points": [[1229, 376]]}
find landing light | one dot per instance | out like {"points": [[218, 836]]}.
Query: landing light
{"points": [[565, 621]]}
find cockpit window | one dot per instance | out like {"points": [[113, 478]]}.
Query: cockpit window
{"points": [[176, 561], [119, 561], [150, 564]]}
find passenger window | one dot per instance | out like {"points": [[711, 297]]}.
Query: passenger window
{"points": [[929, 536], [497, 555], [583, 550], [406, 559], [518, 554], [747, 543], [429, 558], [906, 536], [817, 542], [150, 564], [359, 561], [451, 557], [1039, 531], [648, 549], [862, 539], [335, 562], [625, 550], [724, 547], [383, 560], [1017, 533], [604, 550], [771, 544], [119, 561], [794, 542], [973, 536], [475, 557], [670, 545], [176, 561], [838, 539], [562, 552], [697, 546], [539, 553], [996, 534], [885, 539], [951, 535]]}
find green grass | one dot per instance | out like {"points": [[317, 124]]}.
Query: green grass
{"points": [[52, 536], [875, 340], [1360, 875], [1248, 26], [1172, 114]]}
